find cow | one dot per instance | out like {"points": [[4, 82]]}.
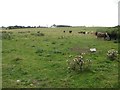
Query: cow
{"points": [[70, 31], [102, 35], [64, 31], [86, 32], [82, 32]]}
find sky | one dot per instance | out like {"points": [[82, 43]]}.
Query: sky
{"points": [[59, 12]]}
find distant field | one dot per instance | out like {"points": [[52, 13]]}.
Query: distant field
{"points": [[33, 61]]}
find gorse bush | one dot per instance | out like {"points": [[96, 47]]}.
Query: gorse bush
{"points": [[112, 54], [79, 64]]}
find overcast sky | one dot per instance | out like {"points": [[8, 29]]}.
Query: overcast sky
{"points": [[60, 12]]}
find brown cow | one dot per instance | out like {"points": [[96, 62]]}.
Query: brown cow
{"points": [[101, 35]]}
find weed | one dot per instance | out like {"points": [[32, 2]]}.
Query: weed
{"points": [[79, 64], [112, 54]]}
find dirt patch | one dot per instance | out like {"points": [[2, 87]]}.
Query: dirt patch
{"points": [[79, 50]]}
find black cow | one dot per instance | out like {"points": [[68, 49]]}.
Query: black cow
{"points": [[70, 31], [82, 32]]}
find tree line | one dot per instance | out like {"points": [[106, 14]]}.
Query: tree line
{"points": [[19, 27]]}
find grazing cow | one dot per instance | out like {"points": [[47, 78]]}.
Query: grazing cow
{"points": [[64, 31], [82, 32], [102, 35], [86, 32], [70, 31]]}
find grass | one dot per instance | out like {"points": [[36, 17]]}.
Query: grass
{"points": [[40, 61]]}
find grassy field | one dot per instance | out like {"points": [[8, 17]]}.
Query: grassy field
{"points": [[31, 61]]}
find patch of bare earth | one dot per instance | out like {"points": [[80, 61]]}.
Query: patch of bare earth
{"points": [[79, 50]]}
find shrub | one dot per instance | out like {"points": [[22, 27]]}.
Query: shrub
{"points": [[79, 64], [112, 54]]}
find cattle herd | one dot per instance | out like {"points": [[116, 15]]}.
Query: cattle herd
{"points": [[105, 35], [81, 32]]}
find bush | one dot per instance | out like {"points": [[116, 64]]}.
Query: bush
{"points": [[112, 54], [79, 64]]}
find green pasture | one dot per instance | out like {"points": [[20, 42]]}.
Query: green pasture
{"points": [[31, 61]]}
